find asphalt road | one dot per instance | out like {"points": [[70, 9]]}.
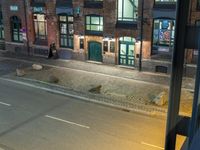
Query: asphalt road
{"points": [[31, 119]]}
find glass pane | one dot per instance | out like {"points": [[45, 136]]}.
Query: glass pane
{"points": [[128, 10], [70, 19], [63, 18], [63, 28], [95, 27], [41, 27], [87, 27], [120, 10], [123, 49], [112, 47], [15, 37], [95, 20], [40, 17], [131, 50], [87, 20], [101, 20]]}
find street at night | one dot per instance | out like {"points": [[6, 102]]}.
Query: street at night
{"points": [[35, 119]]}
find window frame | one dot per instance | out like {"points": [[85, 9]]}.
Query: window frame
{"points": [[16, 21], [38, 36], [122, 20], [67, 35], [94, 32]]}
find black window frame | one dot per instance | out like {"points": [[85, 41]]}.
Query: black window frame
{"points": [[94, 32], [16, 27], [2, 34], [69, 36]]}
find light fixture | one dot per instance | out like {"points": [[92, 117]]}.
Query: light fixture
{"points": [[81, 36]]}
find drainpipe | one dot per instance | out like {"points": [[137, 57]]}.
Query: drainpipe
{"points": [[26, 24], [141, 36]]}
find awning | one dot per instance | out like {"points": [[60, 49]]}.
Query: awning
{"points": [[64, 7], [164, 13], [64, 10], [37, 3]]}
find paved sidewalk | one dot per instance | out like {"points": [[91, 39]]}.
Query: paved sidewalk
{"points": [[112, 70], [121, 87]]}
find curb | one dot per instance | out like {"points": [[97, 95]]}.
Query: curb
{"points": [[61, 90]]}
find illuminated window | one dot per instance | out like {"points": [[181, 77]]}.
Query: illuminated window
{"points": [[94, 23], [127, 10], [163, 34], [40, 23], [66, 31], [16, 29]]}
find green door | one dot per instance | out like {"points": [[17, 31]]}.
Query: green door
{"points": [[126, 54], [94, 51]]}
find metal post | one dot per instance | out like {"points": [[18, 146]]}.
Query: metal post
{"points": [[141, 36], [26, 24], [194, 124], [182, 9]]}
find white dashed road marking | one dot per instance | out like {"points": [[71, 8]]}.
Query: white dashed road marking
{"points": [[65, 121], [6, 104]]}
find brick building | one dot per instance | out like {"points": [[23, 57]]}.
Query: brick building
{"points": [[105, 31]]}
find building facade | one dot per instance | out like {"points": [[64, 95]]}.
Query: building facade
{"points": [[107, 31]]}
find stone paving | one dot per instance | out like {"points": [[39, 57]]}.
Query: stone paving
{"points": [[119, 86]]}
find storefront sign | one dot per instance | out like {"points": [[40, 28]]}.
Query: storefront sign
{"points": [[38, 9], [14, 8]]}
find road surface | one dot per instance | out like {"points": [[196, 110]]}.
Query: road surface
{"points": [[32, 119]]}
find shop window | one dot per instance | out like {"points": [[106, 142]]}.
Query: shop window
{"points": [[127, 10], [1, 25], [163, 35], [16, 29], [94, 24], [66, 31]]}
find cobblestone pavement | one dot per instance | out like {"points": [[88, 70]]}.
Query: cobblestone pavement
{"points": [[119, 86]]}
